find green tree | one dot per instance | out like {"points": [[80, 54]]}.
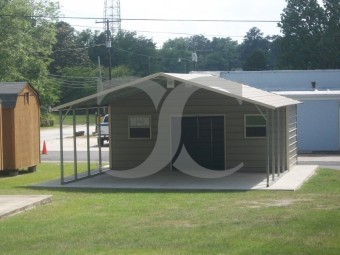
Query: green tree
{"points": [[302, 27], [128, 49], [217, 54], [27, 34], [254, 50], [224, 55], [201, 46], [175, 56], [331, 41], [257, 61], [70, 50], [77, 82]]}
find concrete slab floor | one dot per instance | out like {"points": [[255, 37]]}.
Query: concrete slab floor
{"points": [[13, 204], [164, 180]]}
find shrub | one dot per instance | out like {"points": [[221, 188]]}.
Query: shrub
{"points": [[46, 120]]}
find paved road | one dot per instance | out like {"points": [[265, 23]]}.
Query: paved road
{"points": [[323, 160], [51, 137], [54, 156]]}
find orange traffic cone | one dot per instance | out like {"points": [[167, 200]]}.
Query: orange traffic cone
{"points": [[44, 150]]}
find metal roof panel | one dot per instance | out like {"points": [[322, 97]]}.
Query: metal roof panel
{"points": [[204, 81]]}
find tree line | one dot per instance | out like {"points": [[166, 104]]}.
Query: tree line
{"points": [[65, 64]]}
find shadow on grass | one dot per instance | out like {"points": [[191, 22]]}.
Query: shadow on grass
{"points": [[6, 174], [131, 190]]}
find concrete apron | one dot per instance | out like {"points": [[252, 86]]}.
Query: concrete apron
{"points": [[290, 180], [13, 204]]}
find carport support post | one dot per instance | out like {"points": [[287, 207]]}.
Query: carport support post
{"points": [[75, 145], [278, 143], [268, 145], [61, 147], [99, 142], [284, 141], [273, 144], [88, 142]]}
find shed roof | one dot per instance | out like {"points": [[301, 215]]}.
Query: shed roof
{"points": [[9, 92], [204, 81]]}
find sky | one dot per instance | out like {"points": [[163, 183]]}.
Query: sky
{"points": [[181, 9]]}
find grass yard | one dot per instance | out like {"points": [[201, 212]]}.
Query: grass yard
{"points": [[80, 119], [117, 222]]}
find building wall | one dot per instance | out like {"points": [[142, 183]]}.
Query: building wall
{"points": [[27, 130], [318, 125], [1, 146], [128, 153], [287, 80], [314, 134], [292, 136]]}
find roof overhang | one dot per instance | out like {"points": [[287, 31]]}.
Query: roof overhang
{"points": [[311, 95], [204, 81]]}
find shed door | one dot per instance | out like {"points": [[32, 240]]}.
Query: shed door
{"points": [[203, 137], [318, 125]]}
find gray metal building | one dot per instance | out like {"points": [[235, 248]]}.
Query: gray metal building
{"points": [[220, 124]]}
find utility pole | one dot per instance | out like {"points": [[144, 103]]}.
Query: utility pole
{"points": [[112, 25], [194, 55], [108, 46]]}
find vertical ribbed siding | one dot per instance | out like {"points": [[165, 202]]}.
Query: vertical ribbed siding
{"points": [[292, 136], [128, 153]]}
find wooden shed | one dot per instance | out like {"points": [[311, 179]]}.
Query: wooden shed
{"points": [[1, 148], [20, 124]]}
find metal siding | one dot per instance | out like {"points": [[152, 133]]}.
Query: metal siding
{"points": [[292, 135], [128, 153], [238, 149], [318, 127]]}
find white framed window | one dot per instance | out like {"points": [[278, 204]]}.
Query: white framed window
{"points": [[255, 126], [139, 127]]}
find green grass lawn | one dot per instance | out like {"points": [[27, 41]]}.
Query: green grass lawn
{"points": [[139, 222], [80, 119]]}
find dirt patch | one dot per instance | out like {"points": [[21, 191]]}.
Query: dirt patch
{"points": [[273, 203], [184, 224], [327, 207]]}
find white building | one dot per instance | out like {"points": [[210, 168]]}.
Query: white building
{"points": [[319, 90]]}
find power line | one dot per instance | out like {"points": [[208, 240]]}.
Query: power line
{"points": [[167, 32], [145, 19], [77, 77], [182, 33], [80, 48], [203, 20]]}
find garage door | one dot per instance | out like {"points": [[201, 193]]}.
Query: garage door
{"points": [[203, 137], [318, 125]]}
